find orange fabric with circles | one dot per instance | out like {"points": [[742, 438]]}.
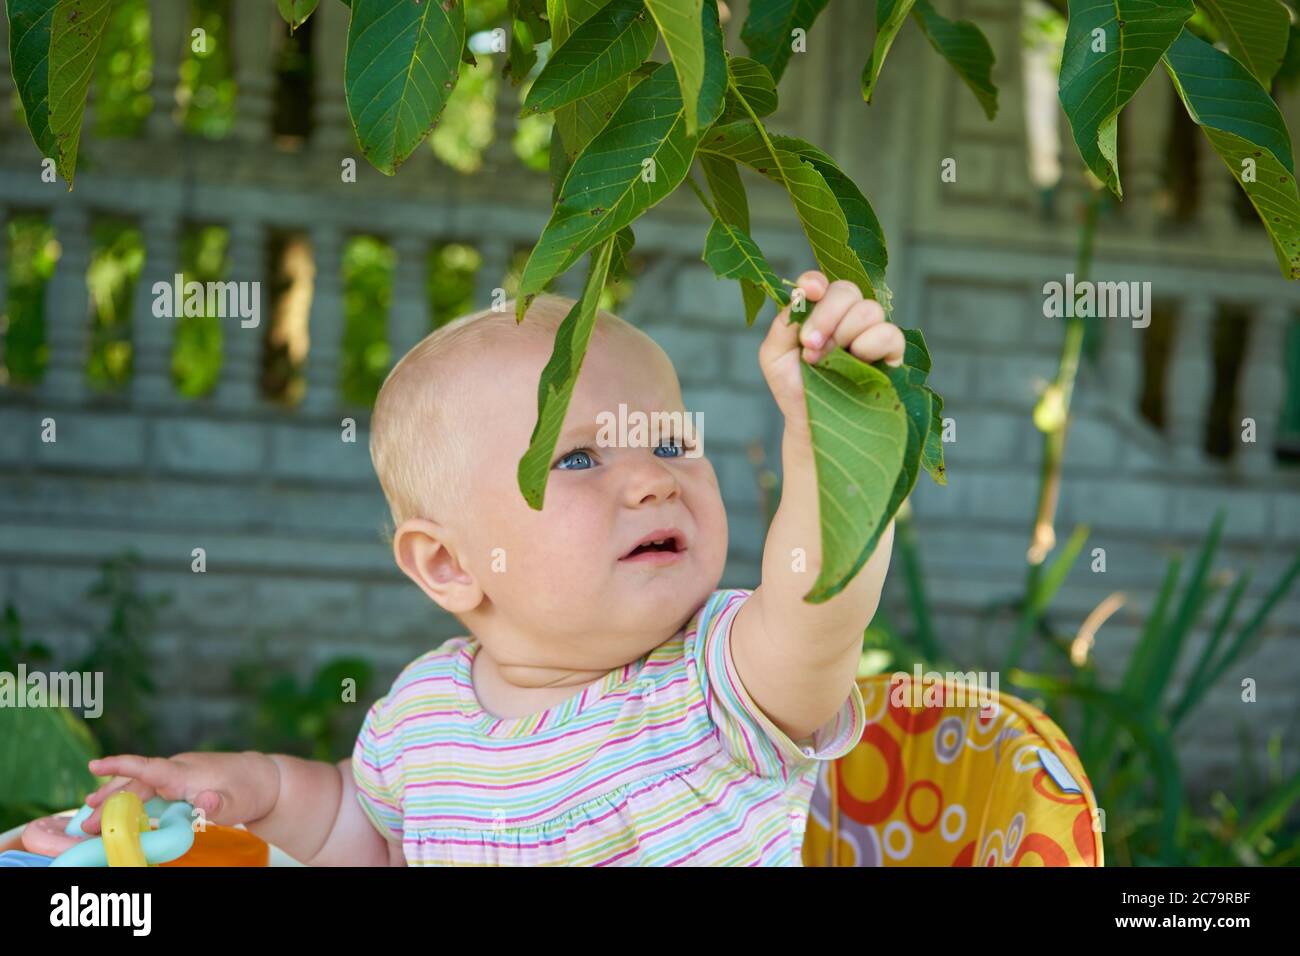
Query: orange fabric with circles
{"points": [[949, 786]]}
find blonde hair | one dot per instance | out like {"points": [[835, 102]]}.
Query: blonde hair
{"points": [[417, 428]]}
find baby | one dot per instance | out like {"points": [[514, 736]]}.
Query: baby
{"points": [[610, 705]]}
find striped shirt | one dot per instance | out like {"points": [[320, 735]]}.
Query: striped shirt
{"points": [[665, 761]]}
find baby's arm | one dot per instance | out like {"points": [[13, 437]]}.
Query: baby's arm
{"points": [[318, 792], [307, 808], [798, 660]]}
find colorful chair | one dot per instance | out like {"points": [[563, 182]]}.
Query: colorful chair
{"points": [[952, 785]]}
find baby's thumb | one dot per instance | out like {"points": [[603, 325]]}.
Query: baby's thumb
{"points": [[214, 806], [782, 336]]}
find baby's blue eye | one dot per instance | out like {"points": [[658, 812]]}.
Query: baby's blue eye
{"points": [[575, 461], [673, 450]]}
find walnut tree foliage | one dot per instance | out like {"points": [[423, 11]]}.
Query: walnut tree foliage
{"points": [[628, 131]]}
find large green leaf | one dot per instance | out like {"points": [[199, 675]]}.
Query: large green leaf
{"points": [[732, 206], [890, 15], [296, 12], [75, 35], [681, 22], [732, 254], [29, 55], [1256, 32], [1097, 83], [769, 27], [641, 156], [859, 438], [611, 44], [403, 59], [962, 44], [1247, 130], [555, 388], [815, 204], [578, 122], [866, 237], [909, 385], [43, 757]]}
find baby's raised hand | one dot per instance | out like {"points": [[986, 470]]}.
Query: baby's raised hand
{"points": [[229, 788], [841, 318]]}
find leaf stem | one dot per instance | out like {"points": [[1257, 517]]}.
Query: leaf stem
{"points": [[690, 181]]}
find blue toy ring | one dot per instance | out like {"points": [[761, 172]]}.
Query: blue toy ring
{"points": [[172, 840]]}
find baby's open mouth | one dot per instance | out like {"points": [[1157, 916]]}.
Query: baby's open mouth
{"points": [[658, 546]]}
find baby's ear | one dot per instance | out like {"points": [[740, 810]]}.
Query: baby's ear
{"points": [[422, 551]]}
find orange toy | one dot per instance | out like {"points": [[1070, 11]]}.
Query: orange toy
{"points": [[225, 846]]}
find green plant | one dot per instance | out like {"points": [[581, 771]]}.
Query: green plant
{"points": [[43, 750], [316, 720], [121, 652]]}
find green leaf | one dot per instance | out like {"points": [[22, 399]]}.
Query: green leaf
{"points": [[1169, 642], [732, 254], [1255, 31], [917, 355], [624, 240], [566, 15], [29, 53], [918, 401], [769, 30], [528, 27], [296, 12], [579, 122], [403, 59], [932, 452], [75, 34], [681, 22], [753, 82], [43, 757], [890, 15], [723, 177], [555, 388], [815, 204], [640, 157], [859, 436], [909, 385], [533, 14], [611, 44], [866, 238], [522, 56], [1247, 130], [915, 351], [1095, 85], [1193, 686], [962, 44]]}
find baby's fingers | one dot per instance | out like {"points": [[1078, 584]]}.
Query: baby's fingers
{"points": [[165, 776], [92, 823], [882, 341]]}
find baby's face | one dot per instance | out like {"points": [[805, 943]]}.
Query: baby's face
{"points": [[562, 585]]}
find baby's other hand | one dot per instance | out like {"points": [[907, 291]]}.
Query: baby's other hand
{"points": [[229, 788]]}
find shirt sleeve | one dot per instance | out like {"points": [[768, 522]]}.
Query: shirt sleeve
{"points": [[747, 734], [377, 771]]}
